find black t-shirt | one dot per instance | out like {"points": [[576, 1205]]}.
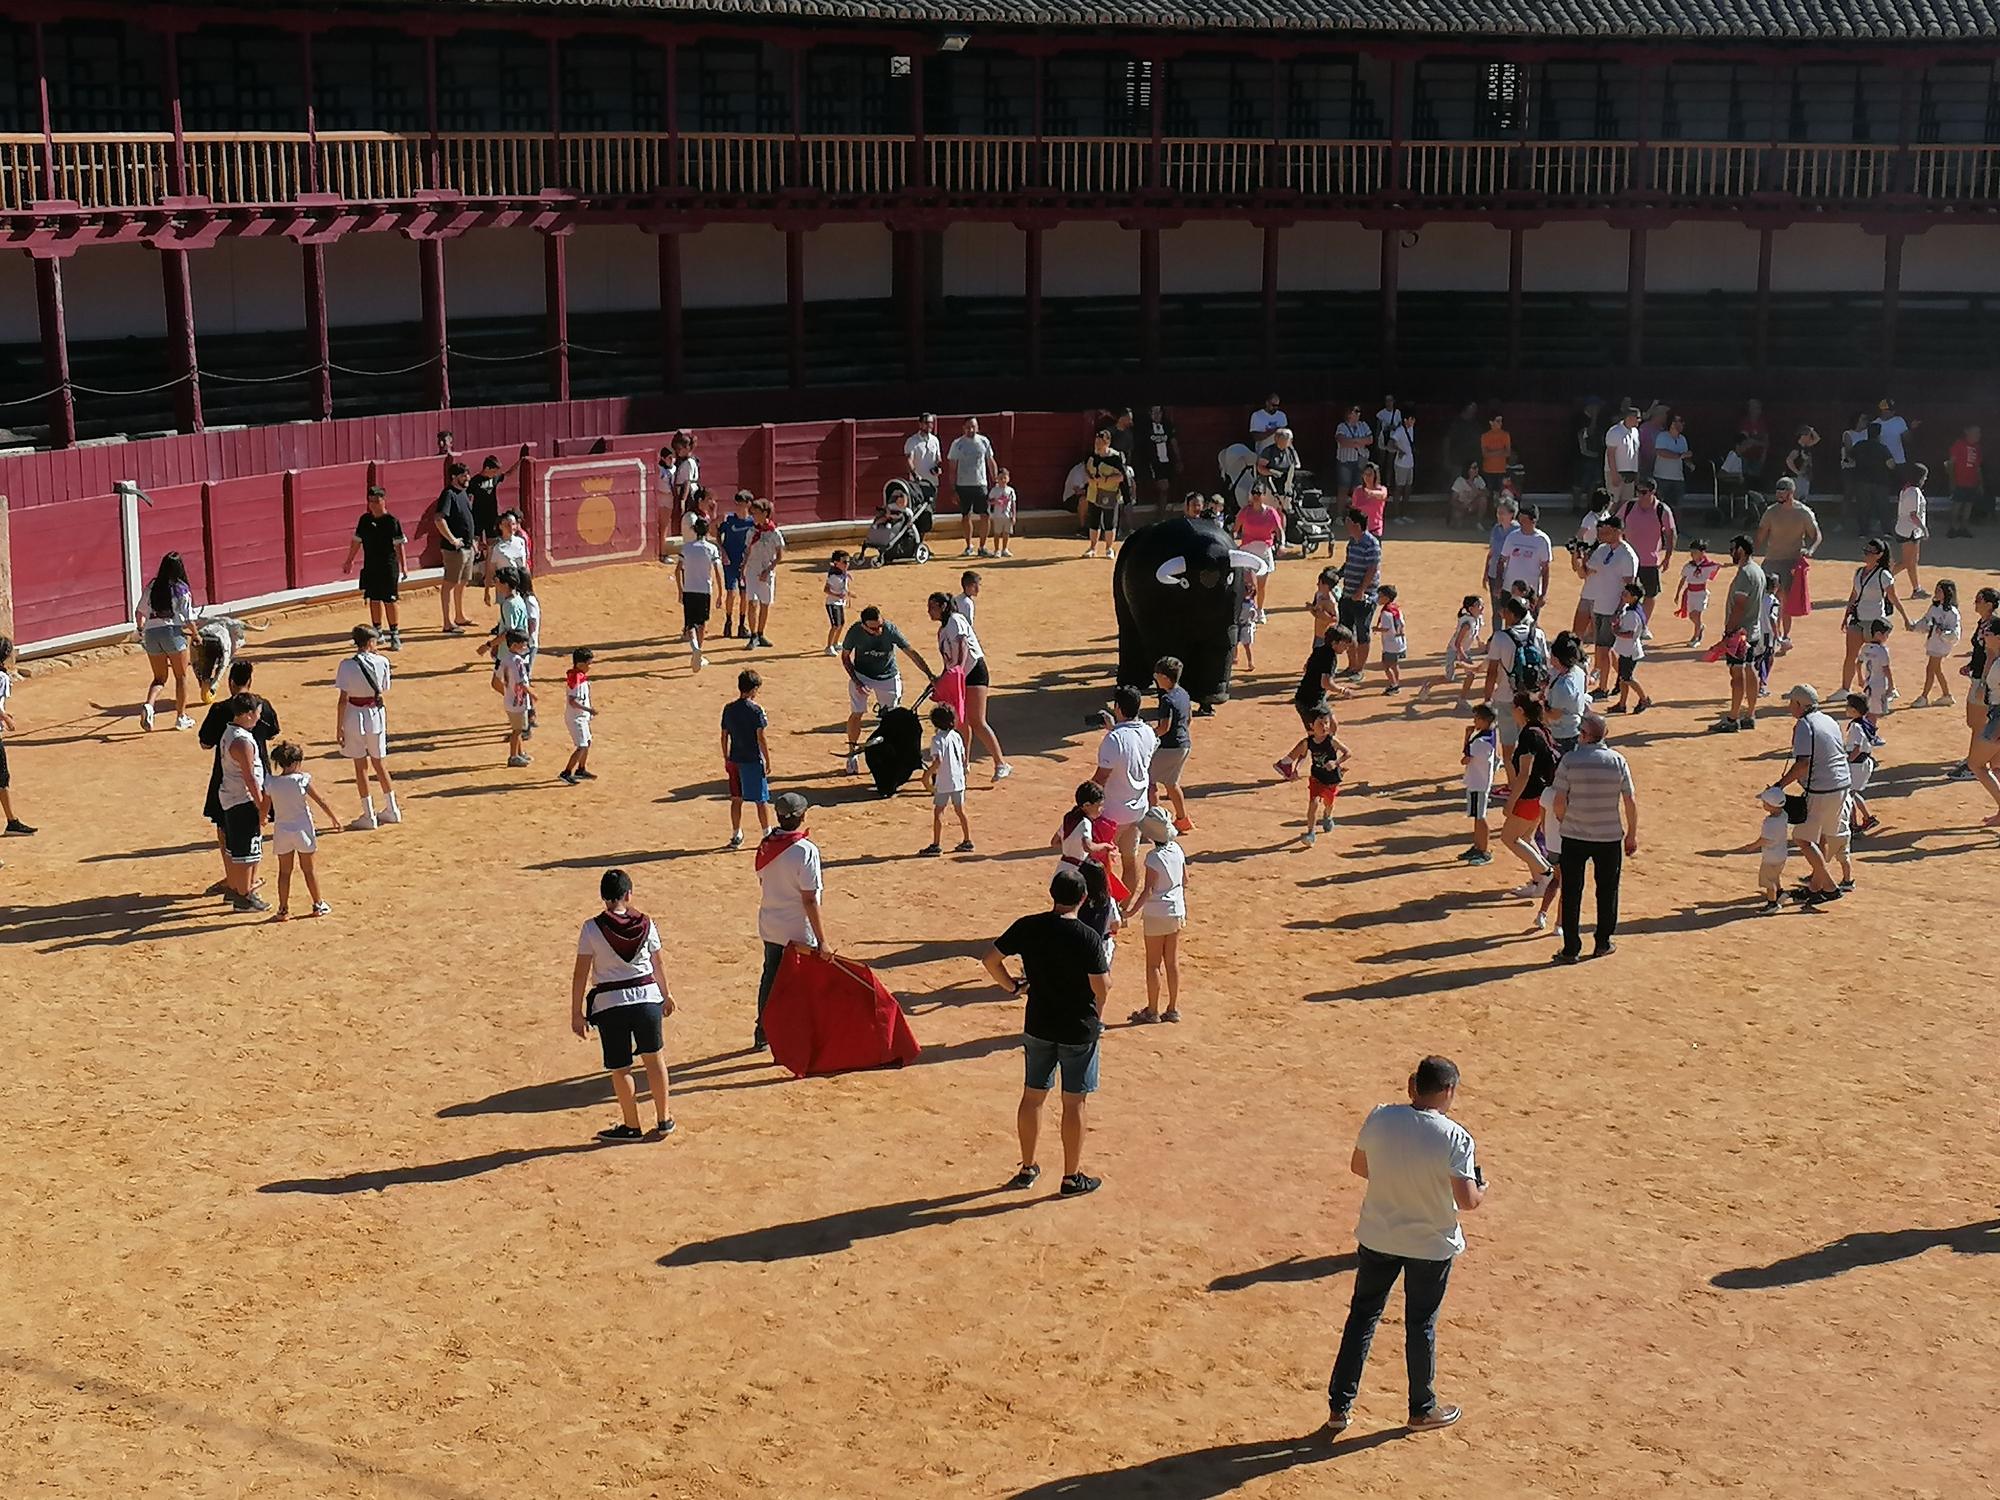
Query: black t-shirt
{"points": [[1058, 954], [485, 492], [1319, 667], [1541, 751], [454, 508], [1176, 708], [378, 536], [1872, 460]]}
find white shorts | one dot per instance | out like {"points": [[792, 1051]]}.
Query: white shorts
{"points": [[1153, 926], [1259, 550], [760, 590], [1826, 819], [1939, 646], [1878, 701], [1770, 873], [887, 693], [1858, 772], [358, 744], [290, 840], [579, 730]]}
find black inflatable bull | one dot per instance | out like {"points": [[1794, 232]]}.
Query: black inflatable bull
{"points": [[1177, 588]]}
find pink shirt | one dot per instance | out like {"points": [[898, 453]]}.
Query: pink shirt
{"points": [[1648, 528], [1371, 503], [1260, 526]]}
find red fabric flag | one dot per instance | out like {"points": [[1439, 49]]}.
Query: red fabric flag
{"points": [[949, 689], [1798, 598], [833, 1016]]}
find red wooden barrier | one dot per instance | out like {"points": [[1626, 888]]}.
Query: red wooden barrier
{"points": [[69, 568], [323, 505], [247, 536], [173, 523]]}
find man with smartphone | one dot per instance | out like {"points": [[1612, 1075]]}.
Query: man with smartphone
{"points": [[1419, 1167]]}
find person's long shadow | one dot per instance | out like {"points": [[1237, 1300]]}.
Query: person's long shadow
{"points": [[442, 1171], [841, 1231], [629, 857], [96, 919], [1852, 1251], [1292, 1268], [1427, 982], [1206, 1472], [165, 852]]}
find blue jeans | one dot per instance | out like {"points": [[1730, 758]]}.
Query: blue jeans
{"points": [[1077, 1061], [1423, 1294]]}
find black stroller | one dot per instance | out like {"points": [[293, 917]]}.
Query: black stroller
{"points": [[1311, 523], [899, 532], [896, 748]]}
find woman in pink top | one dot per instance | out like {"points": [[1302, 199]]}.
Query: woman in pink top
{"points": [[1260, 531], [1371, 497]]}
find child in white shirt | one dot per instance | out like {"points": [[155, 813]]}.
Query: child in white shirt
{"points": [[1482, 754], [1861, 741], [1878, 673], [1941, 626], [1001, 502], [578, 711], [1246, 627], [1691, 602], [287, 792], [834, 592], [1774, 846], [944, 769], [1395, 642], [1630, 647], [510, 681]]}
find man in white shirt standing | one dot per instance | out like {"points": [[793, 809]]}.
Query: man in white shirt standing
{"points": [[1610, 565], [1421, 1174], [1266, 420], [788, 872], [1125, 771], [1526, 554], [1621, 456], [972, 474], [1893, 430], [922, 454], [361, 725]]}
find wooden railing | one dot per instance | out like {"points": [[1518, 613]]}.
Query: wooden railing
{"points": [[1221, 169], [1094, 163], [733, 163], [1333, 169], [1458, 169], [371, 166], [481, 165], [980, 163], [113, 171], [1961, 174], [1721, 169], [1580, 169], [20, 170], [859, 164], [253, 166], [1840, 172], [612, 164]]}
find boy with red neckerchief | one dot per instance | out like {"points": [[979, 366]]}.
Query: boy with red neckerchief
{"points": [[788, 910]]}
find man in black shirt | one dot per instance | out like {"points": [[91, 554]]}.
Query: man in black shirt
{"points": [[1066, 981], [378, 538], [484, 487], [1874, 482], [453, 521]]}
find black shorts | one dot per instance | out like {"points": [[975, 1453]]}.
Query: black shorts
{"points": [[694, 610], [243, 833], [625, 1030], [836, 614], [379, 588], [1098, 517], [972, 499], [1356, 615], [976, 675], [1627, 665], [1649, 579], [1740, 658], [6, 779]]}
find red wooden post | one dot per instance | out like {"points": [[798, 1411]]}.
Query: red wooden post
{"points": [[47, 117], [1270, 290], [1514, 239], [430, 267], [55, 351], [795, 308], [312, 262], [555, 311], [670, 313], [850, 469], [295, 541], [1892, 295], [312, 111], [1760, 327], [211, 543], [171, 65], [795, 148], [1032, 296], [181, 356], [433, 155], [767, 462], [1149, 301], [1635, 299]]}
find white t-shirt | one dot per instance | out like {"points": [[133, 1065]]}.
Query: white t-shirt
{"points": [[1166, 882], [837, 585], [290, 812], [1608, 570], [922, 451], [969, 457], [352, 678], [1076, 843], [1894, 430], [1630, 640], [699, 560], [1413, 1156], [514, 682], [688, 519], [766, 547], [1127, 751], [957, 643], [1621, 449], [1389, 626], [1001, 500], [1484, 753], [1503, 645], [1940, 622], [1859, 740], [1697, 576], [1523, 556], [1911, 510], [1871, 587], [1264, 423], [1874, 659], [576, 701], [6, 691], [966, 606], [946, 758], [687, 474], [781, 914], [235, 791], [1402, 445], [1774, 838], [509, 551], [606, 966]]}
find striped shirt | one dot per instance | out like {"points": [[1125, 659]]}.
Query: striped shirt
{"points": [[1594, 778], [1363, 560]]}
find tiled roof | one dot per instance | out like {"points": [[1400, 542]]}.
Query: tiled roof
{"points": [[1777, 20]]}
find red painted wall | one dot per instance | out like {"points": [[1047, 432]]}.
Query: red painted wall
{"points": [[413, 485], [247, 536], [325, 503], [69, 568], [173, 523]]}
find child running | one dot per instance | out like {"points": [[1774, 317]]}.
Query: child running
{"points": [[510, 681], [1861, 741], [834, 593], [1629, 646], [1462, 650], [1941, 627], [1878, 673], [578, 711], [746, 756], [1328, 757], [1482, 754], [698, 576], [1002, 501], [1691, 599], [286, 797], [944, 770], [1395, 643]]}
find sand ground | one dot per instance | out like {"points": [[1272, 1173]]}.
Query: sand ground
{"points": [[314, 1210]]}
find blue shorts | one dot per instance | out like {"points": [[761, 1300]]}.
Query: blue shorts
{"points": [[1077, 1061], [747, 780], [732, 576]]}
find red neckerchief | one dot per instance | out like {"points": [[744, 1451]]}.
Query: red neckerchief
{"points": [[776, 842], [624, 932]]}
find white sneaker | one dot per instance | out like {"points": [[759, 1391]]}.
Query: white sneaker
{"points": [[1326, 825], [853, 765], [146, 717], [1533, 888], [366, 821], [182, 721], [1646, 634], [1002, 772], [1311, 838], [833, 650], [390, 814]]}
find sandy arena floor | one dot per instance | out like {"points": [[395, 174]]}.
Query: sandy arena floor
{"points": [[314, 1210]]}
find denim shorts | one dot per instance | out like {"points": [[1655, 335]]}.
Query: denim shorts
{"points": [[1078, 1062]]}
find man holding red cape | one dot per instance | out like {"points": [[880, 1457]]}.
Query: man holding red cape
{"points": [[788, 869]]}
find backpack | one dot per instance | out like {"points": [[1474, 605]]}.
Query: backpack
{"points": [[1530, 670]]}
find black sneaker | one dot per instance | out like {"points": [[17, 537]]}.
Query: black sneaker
{"points": [[1027, 1177], [15, 825], [1601, 950], [1076, 1185], [1846, 886], [1566, 958], [249, 903]]}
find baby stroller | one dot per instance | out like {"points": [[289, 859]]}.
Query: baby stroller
{"points": [[899, 530], [895, 749], [1311, 523], [215, 646]]}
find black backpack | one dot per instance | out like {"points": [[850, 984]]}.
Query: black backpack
{"points": [[1530, 670]]}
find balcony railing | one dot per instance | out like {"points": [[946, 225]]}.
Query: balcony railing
{"points": [[113, 171], [1588, 170], [1333, 169], [20, 170], [1708, 170], [247, 166], [371, 166], [733, 164], [1458, 169], [1957, 174], [861, 165], [1213, 169], [1843, 173], [479, 165], [613, 164], [1095, 163], [981, 163]]}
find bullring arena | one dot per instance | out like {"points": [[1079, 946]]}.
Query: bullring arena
{"points": [[315, 1209]]}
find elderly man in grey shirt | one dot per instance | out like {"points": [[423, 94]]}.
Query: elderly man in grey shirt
{"points": [[1599, 813]]}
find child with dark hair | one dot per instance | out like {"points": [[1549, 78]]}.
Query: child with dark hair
{"points": [[1482, 754], [1395, 640], [615, 988], [1086, 835], [510, 681], [835, 591], [1941, 627], [578, 711], [746, 756], [1099, 911], [14, 824], [944, 772], [1173, 714], [1861, 740], [1629, 646], [287, 793], [1328, 758]]}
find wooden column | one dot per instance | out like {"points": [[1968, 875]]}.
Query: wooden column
{"points": [[795, 307], [1760, 318], [306, 77], [1514, 239], [671, 173], [1392, 254], [181, 358], [177, 179], [671, 365], [433, 153], [55, 351], [430, 270], [312, 262], [555, 311], [1635, 298], [1892, 296], [1149, 301], [913, 301], [1032, 288], [48, 175], [1270, 290]]}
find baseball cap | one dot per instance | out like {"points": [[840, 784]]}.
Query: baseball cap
{"points": [[1156, 827], [1805, 693], [1772, 797], [789, 804]]}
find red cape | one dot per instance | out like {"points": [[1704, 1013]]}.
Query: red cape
{"points": [[833, 1016]]}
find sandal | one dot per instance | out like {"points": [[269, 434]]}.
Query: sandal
{"points": [[1142, 1018], [621, 1133], [1026, 1177], [1171, 1015]]}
